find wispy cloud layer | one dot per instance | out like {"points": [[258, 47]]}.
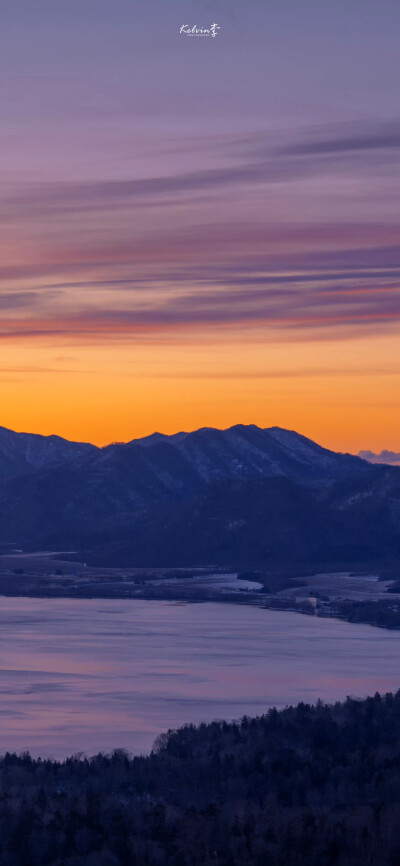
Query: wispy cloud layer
{"points": [[347, 138], [98, 264], [259, 159]]}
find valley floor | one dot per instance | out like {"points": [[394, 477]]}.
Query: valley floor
{"points": [[356, 597]]}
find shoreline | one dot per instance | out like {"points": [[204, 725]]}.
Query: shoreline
{"points": [[245, 598]]}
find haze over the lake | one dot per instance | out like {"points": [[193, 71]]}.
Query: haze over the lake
{"points": [[78, 675]]}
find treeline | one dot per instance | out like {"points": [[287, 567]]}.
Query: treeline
{"points": [[307, 786], [385, 613]]}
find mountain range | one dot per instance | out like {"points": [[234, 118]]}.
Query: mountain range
{"points": [[245, 495]]}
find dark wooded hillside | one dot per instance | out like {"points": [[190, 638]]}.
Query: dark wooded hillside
{"points": [[302, 787]]}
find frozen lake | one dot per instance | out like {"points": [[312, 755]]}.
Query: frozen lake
{"points": [[90, 675]]}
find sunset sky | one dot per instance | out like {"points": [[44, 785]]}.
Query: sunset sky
{"points": [[199, 231]]}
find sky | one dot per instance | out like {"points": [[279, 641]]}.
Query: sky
{"points": [[200, 231]]}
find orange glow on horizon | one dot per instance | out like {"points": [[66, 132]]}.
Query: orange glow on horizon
{"points": [[339, 393]]}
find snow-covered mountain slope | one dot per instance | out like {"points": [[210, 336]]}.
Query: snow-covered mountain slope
{"points": [[24, 452], [247, 452], [184, 460]]}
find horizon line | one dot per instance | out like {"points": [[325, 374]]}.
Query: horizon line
{"points": [[360, 453]]}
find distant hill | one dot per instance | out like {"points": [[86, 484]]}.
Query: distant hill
{"points": [[389, 457], [263, 520], [212, 496]]}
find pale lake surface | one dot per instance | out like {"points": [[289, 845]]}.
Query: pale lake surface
{"points": [[91, 675]]}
